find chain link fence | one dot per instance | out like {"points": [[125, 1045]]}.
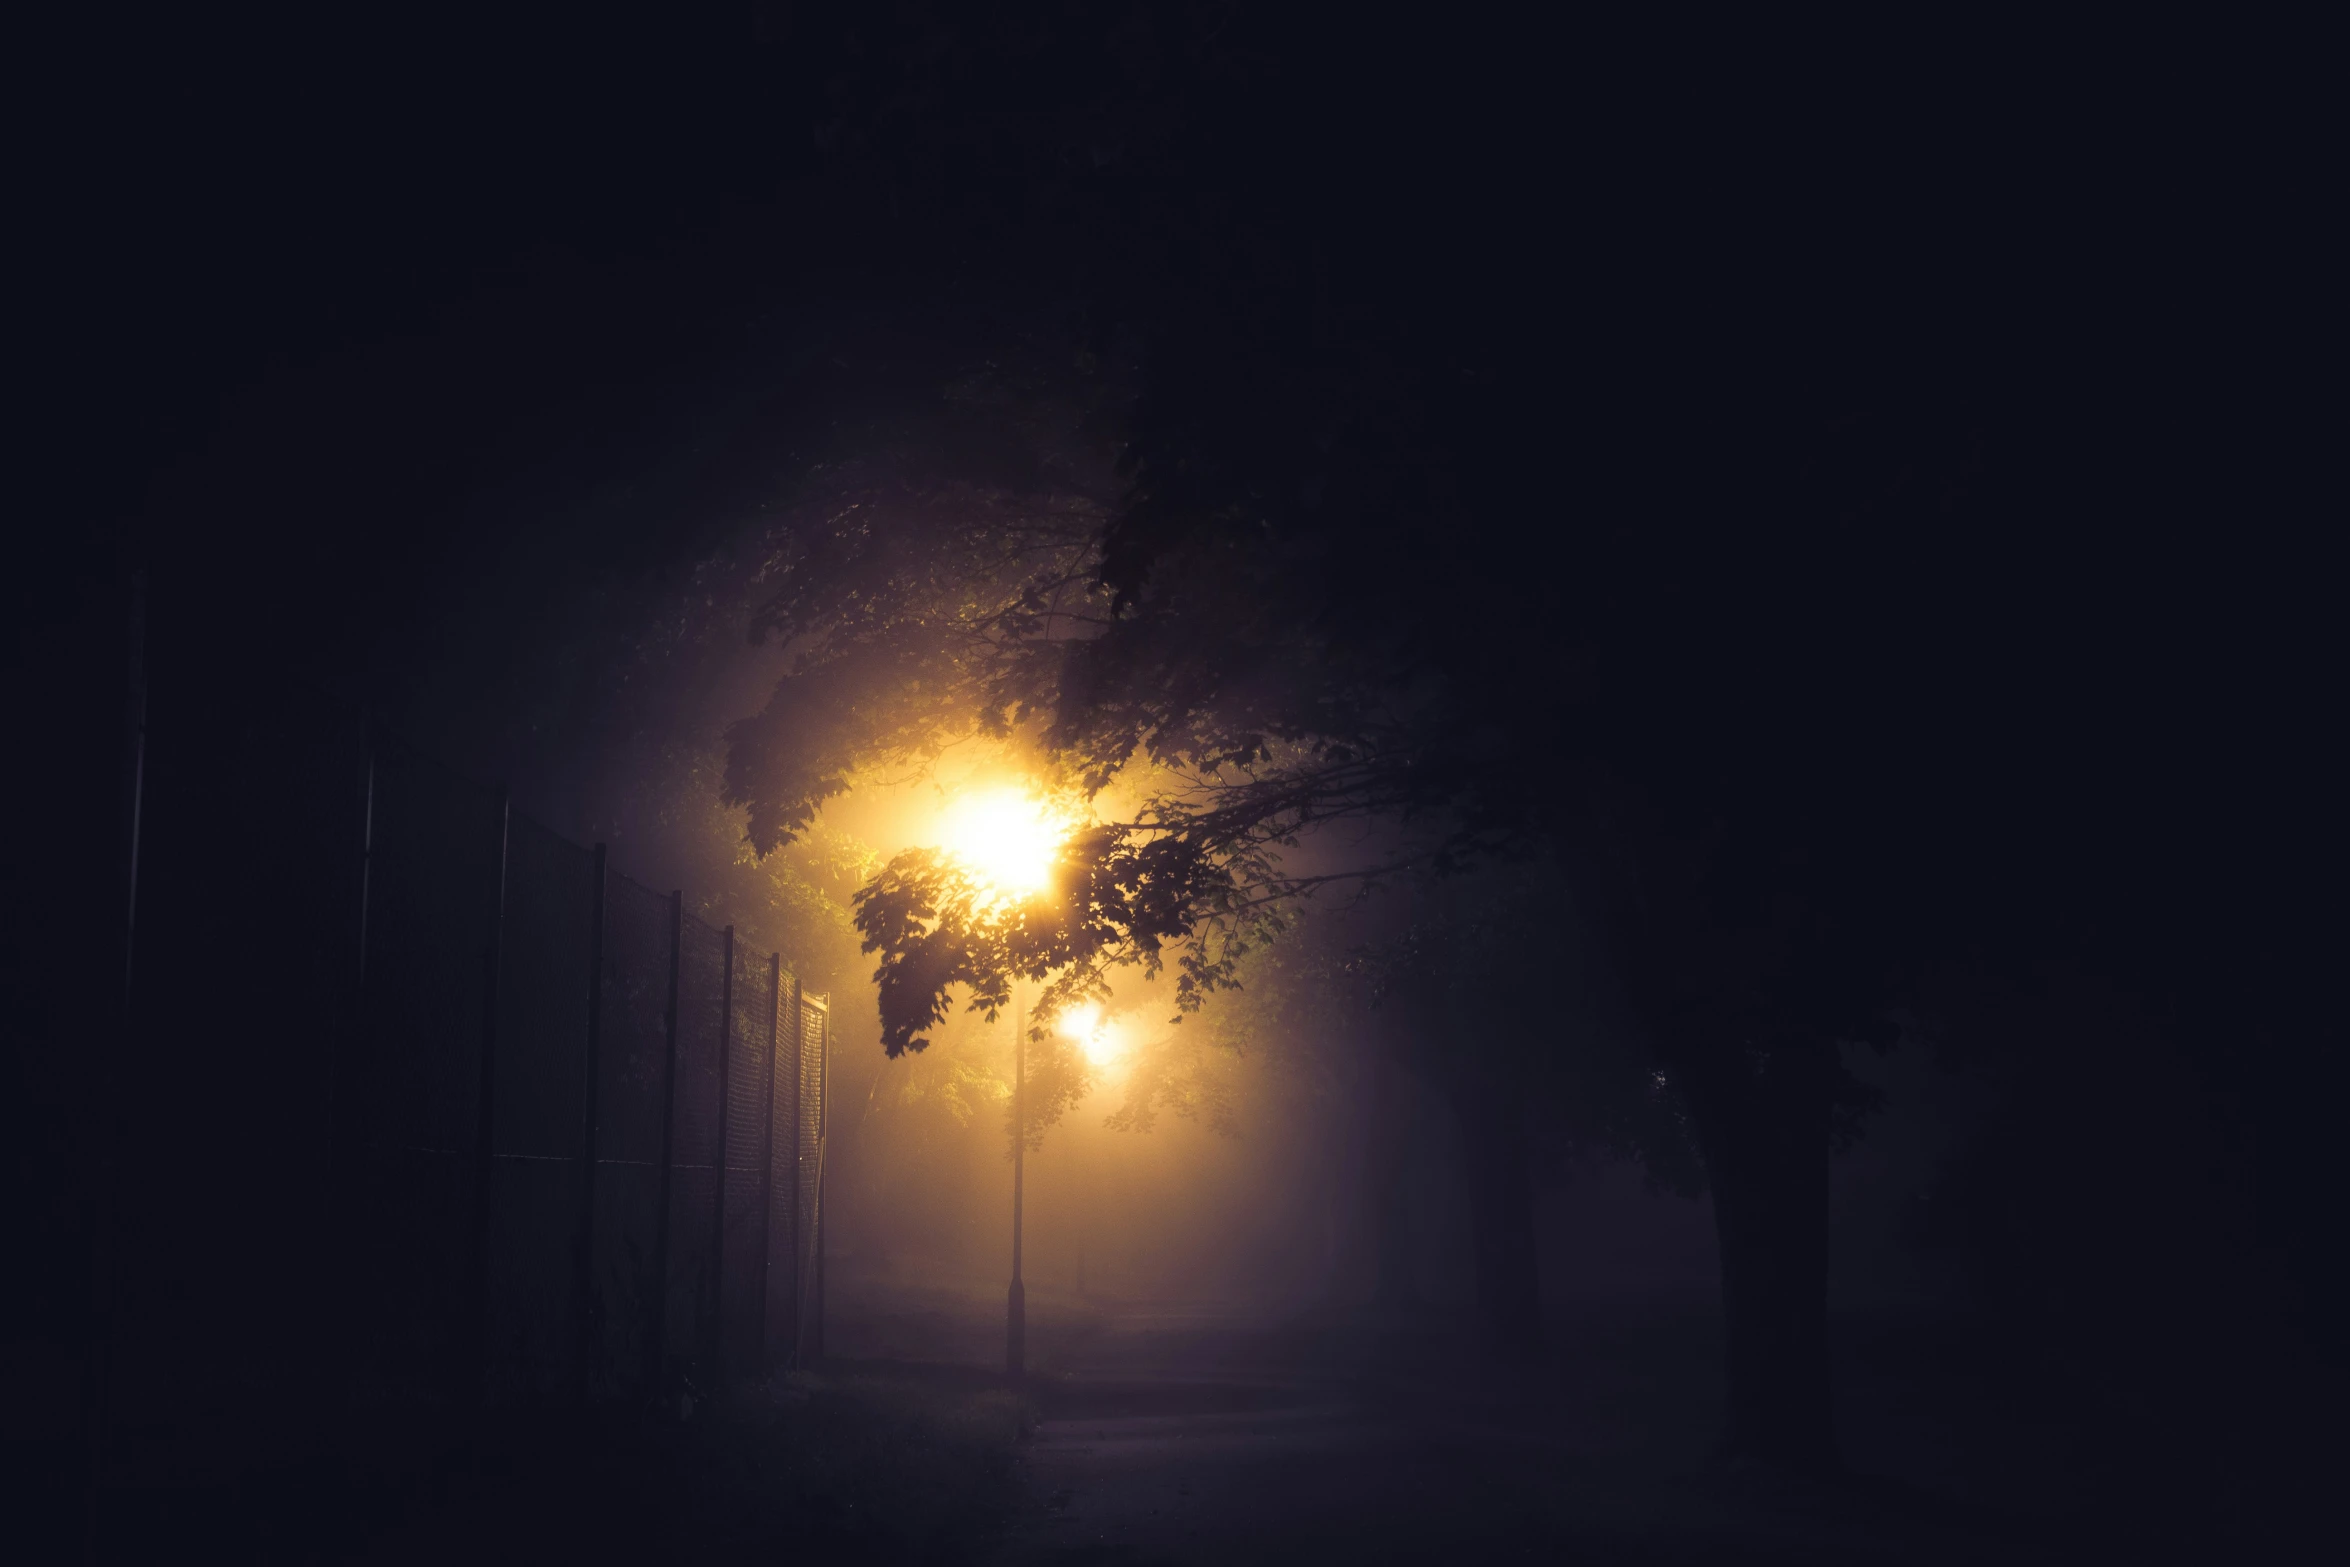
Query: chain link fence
{"points": [[796, 1300], [565, 1131], [540, 1132]]}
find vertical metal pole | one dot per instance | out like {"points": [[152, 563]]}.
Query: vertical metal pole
{"points": [[714, 1325], [799, 1168], [588, 1319], [767, 1152], [345, 1040], [98, 1357], [823, 1143], [1016, 1302], [366, 840], [476, 1340], [657, 1335], [137, 776]]}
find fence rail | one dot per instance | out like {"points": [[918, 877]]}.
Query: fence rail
{"points": [[521, 1127]]}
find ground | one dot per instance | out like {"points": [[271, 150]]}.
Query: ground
{"points": [[1163, 1434], [1182, 1437], [1158, 1434]]}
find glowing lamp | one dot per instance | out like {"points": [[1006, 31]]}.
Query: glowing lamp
{"points": [[1101, 1038], [1005, 838]]}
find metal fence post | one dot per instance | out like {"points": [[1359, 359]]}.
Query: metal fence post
{"points": [[767, 1151], [477, 1305], [98, 1343], [715, 1327], [349, 996], [799, 1084], [346, 1039], [823, 1142], [588, 1324], [366, 839], [657, 1339]]}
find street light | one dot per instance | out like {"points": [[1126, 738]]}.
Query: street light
{"points": [[1008, 840], [1103, 1041]]}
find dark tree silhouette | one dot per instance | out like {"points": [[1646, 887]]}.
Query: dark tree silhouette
{"points": [[1656, 708], [1491, 997], [1468, 493]]}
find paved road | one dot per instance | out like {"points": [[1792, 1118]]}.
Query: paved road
{"points": [[1167, 1438]]}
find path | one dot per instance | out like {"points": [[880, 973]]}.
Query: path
{"points": [[1191, 1438]]}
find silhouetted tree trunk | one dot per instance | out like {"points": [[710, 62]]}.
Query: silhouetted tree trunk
{"points": [[1501, 1201], [1393, 1098], [1763, 1121]]}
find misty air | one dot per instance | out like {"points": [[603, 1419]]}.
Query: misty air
{"points": [[1171, 783]]}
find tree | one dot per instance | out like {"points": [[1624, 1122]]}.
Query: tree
{"points": [[1491, 994], [1277, 631], [1485, 546]]}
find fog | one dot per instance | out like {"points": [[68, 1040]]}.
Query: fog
{"points": [[1612, 819]]}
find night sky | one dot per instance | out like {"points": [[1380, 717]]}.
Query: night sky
{"points": [[1903, 467]]}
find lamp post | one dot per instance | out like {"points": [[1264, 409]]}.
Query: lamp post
{"points": [[1006, 839], [1103, 1042]]}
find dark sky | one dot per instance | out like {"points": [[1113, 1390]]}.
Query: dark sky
{"points": [[513, 240], [335, 325], [415, 355], [373, 342]]}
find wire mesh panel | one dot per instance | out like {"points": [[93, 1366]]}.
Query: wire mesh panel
{"points": [[750, 1093], [632, 1069], [220, 1105], [694, 1145], [783, 1179], [808, 1118], [314, 1203], [543, 980], [413, 1067]]}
